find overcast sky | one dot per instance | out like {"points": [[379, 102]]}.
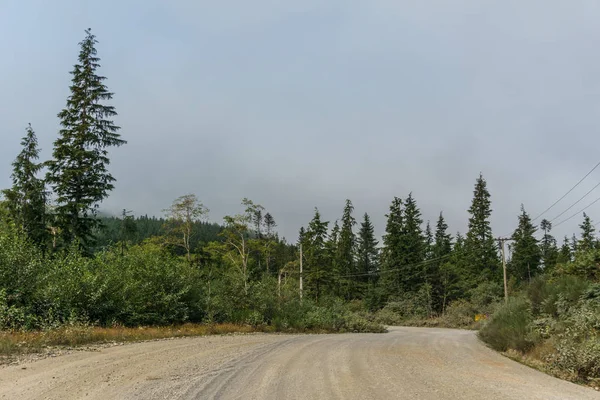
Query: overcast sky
{"points": [[297, 104]]}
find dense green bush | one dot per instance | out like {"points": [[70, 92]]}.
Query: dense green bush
{"points": [[460, 314], [561, 314], [21, 267], [578, 344], [486, 296], [145, 286], [148, 285], [510, 327]]}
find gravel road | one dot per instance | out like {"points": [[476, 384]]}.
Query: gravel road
{"points": [[406, 363]]}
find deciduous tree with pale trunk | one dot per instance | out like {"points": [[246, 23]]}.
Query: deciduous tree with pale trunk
{"points": [[181, 217]]}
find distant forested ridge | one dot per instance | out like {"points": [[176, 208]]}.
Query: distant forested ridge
{"points": [[135, 230]]}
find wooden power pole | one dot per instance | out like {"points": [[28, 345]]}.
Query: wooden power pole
{"points": [[301, 288], [501, 241]]}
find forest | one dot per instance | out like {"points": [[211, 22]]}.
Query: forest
{"points": [[62, 263]]}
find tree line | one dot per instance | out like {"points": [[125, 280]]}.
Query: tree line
{"points": [[234, 264]]}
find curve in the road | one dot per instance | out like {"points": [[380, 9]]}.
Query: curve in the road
{"points": [[406, 363]]}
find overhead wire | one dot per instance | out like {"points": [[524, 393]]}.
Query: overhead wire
{"points": [[578, 212], [574, 204], [422, 263], [568, 192]]}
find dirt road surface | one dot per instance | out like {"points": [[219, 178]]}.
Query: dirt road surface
{"points": [[406, 363]]}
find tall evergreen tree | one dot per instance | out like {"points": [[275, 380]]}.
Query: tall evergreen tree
{"points": [[392, 250], [413, 247], [439, 277], [270, 225], [332, 248], [565, 254], [428, 242], [480, 247], [26, 200], [78, 172], [257, 219], [574, 245], [526, 256], [443, 240], [588, 238], [346, 251], [453, 283], [301, 235], [319, 275], [367, 252], [549, 251]]}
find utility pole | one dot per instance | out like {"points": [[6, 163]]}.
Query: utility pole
{"points": [[301, 288], [279, 285], [501, 241], [124, 214]]}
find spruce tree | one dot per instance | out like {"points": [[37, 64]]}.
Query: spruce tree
{"points": [[574, 245], [301, 235], [548, 249], [480, 247], [565, 254], [78, 173], [588, 238], [428, 242], [367, 252], [526, 255], [26, 200], [346, 249], [453, 284], [257, 219], [270, 225], [441, 278], [319, 275], [332, 249], [392, 250], [443, 240], [412, 243]]}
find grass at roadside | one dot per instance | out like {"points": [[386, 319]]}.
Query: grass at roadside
{"points": [[19, 342], [23, 342]]}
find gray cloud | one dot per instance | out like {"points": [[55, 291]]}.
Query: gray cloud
{"points": [[307, 104]]}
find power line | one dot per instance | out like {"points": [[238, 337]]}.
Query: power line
{"points": [[574, 204], [578, 212], [418, 264], [385, 271], [566, 194]]}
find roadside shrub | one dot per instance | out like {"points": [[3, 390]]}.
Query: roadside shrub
{"points": [[388, 316], [13, 317], [21, 274], [486, 296], [580, 358], [578, 346], [509, 327], [592, 294], [410, 305], [537, 293], [460, 314], [561, 294], [67, 290], [357, 323], [329, 317]]}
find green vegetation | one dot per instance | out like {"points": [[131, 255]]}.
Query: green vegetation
{"points": [[70, 276], [553, 322]]}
